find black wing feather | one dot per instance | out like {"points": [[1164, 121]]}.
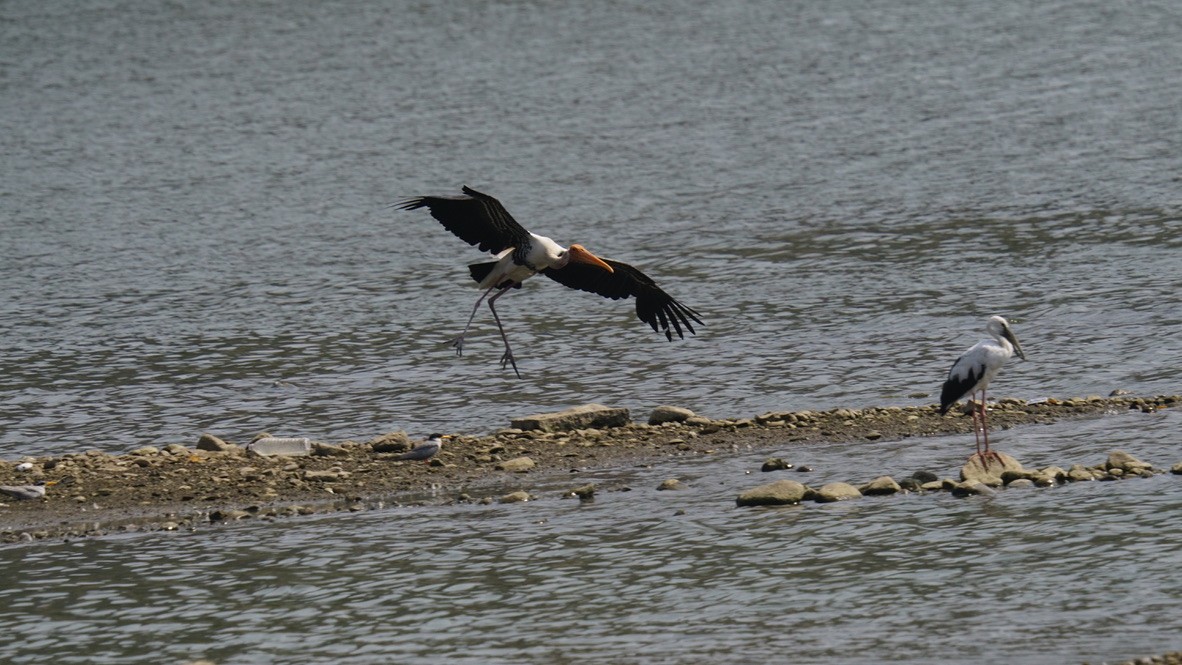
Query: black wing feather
{"points": [[477, 219], [957, 387], [653, 306]]}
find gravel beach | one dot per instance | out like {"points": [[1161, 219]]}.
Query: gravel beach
{"points": [[210, 481]]}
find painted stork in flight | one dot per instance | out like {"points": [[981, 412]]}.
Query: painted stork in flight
{"points": [[973, 371], [479, 219]]}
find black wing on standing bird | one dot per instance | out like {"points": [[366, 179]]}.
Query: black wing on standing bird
{"points": [[961, 379], [477, 219], [653, 306]]}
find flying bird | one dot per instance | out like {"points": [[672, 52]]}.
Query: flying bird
{"points": [[973, 371], [479, 219], [427, 449]]}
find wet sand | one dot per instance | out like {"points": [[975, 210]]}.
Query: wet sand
{"points": [[93, 493]]}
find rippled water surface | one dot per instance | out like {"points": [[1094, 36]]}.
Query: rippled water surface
{"points": [[194, 236], [1083, 572]]}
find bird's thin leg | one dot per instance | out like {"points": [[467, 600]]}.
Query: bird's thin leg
{"points": [[976, 421], [985, 428], [458, 342], [508, 356]]}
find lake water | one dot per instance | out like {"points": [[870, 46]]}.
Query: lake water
{"points": [[194, 236]]}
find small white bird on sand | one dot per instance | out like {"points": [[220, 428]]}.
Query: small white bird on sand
{"points": [[973, 371], [427, 449], [25, 492]]}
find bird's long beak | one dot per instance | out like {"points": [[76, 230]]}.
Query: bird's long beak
{"points": [[580, 254], [1014, 340]]}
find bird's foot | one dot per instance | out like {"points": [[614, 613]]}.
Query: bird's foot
{"points": [[458, 345], [986, 458], [507, 359]]}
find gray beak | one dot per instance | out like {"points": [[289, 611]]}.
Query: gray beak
{"points": [[1014, 340]]}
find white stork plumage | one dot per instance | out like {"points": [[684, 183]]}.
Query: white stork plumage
{"points": [[975, 368], [481, 220]]}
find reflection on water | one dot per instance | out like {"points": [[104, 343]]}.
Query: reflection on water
{"points": [[1081, 572]]}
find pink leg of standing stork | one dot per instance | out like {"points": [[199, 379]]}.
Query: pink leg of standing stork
{"points": [[976, 420], [985, 429]]}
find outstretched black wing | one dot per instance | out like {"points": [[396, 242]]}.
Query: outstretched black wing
{"points": [[477, 219], [653, 306]]}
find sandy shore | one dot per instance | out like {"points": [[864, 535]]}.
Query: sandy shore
{"points": [[181, 487]]}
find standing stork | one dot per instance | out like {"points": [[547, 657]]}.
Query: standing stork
{"points": [[479, 219], [973, 371]]}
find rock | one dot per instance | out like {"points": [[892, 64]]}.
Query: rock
{"points": [[1176, 469], [671, 484], [394, 442], [779, 493], [1020, 482], [327, 450], [171, 449], [275, 446], [830, 492], [326, 475], [988, 470], [1078, 473], [1056, 473], [925, 477], [585, 492], [1045, 478], [212, 443], [669, 414], [515, 497], [516, 465], [880, 485], [908, 485], [775, 464], [579, 417], [148, 451], [1119, 459], [1010, 475], [228, 515], [971, 487]]}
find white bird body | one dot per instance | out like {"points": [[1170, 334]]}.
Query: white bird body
{"points": [[542, 253], [977, 366], [975, 369], [425, 450], [24, 492]]}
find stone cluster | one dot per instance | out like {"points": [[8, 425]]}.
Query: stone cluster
{"points": [[977, 476], [173, 486]]}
